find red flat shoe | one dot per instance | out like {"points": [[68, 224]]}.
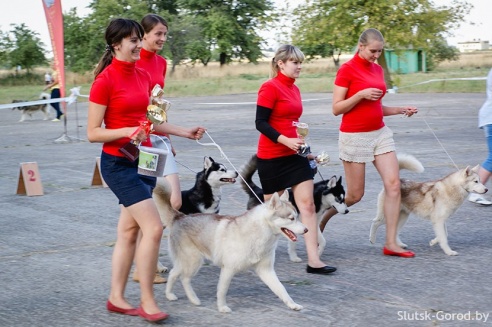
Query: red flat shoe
{"points": [[406, 254], [152, 317], [113, 308]]}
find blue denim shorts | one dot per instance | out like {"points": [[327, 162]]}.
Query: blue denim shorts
{"points": [[487, 164], [122, 178]]}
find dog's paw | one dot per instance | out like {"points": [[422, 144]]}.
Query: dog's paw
{"points": [[295, 306], [161, 268], [433, 242], [451, 252], [171, 296], [402, 245], [195, 300], [295, 258], [225, 309]]}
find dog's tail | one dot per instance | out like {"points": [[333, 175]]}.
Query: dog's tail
{"points": [[409, 162], [247, 171], [162, 198]]}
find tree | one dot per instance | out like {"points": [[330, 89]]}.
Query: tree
{"points": [[231, 26], [404, 24], [26, 48]]}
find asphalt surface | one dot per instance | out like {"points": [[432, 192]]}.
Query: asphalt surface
{"points": [[55, 249]]}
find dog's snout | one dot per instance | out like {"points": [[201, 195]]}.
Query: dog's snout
{"points": [[305, 230], [346, 211]]}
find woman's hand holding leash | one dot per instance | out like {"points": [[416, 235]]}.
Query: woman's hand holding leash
{"points": [[409, 111]]}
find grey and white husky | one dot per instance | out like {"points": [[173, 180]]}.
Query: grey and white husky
{"points": [[29, 110], [326, 194], [434, 200], [234, 243], [205, 195]]}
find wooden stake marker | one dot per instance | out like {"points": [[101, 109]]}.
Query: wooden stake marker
{"points": [[97, 179], [29, 179]]}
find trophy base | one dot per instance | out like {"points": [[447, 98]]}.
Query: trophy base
{"points": [[130, 151], [304, 150]]}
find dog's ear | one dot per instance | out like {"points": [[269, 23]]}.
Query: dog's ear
{"points": [[285, 196], [207, 162], [466, 171], [332, 182], [272, 203], [475, 169]]}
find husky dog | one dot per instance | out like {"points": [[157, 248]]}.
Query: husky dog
{"points": [[205, 195], [29, 110], [234, 243], [327, 194], [433, 200]]}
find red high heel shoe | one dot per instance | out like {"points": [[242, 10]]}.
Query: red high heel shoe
{"points": [[406, 254], [113, 308], [152, 317]]}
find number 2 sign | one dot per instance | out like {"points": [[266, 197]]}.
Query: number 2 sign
{"points": [[29, 179]]}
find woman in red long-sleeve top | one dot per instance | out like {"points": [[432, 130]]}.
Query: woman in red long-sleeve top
{"points": [[279, 166]]}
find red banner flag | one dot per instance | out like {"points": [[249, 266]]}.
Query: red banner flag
{"points": [[54, 18]]}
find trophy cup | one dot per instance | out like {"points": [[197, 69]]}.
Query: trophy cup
{"points": [[302, 133], [156, 114]]}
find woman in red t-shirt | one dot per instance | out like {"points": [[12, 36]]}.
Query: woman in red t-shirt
{"points": [[279, 166], [357, 93], [155, 35], [118, 101]]}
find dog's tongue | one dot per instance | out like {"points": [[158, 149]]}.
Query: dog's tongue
{"points": [[290, 234]]}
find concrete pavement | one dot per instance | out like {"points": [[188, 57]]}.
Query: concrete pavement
{"points": [[55, 249]]}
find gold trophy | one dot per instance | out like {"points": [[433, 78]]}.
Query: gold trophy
{"points": [[302, 133], [156, 114]]}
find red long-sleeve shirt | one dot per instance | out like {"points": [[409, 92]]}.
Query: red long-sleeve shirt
{"points": [[283, 97]]}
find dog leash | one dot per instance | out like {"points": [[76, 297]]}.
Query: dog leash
{"points": [[226, 158], [185, 166], [438, 141]]}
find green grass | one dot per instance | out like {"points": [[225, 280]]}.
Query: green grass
{"points": [[310, 81]]}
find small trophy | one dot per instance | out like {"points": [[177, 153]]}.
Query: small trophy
{"points": [[302, 133]]}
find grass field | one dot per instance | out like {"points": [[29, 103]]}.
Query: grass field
{"points": [[316, 76]]}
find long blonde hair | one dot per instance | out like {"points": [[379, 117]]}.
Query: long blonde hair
{"points": [[285, 53]]}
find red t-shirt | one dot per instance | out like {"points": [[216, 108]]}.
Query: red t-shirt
{"points": [[284, 98], [125, 91], [355, 75], [155, 65]]}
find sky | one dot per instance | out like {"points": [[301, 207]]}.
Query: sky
{"points": [[478, 23]]}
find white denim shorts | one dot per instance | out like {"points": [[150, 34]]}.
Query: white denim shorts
{"points": [[362, 147]]}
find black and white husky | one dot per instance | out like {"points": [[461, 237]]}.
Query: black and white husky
{"points": [[205, 195], [327, 194]]}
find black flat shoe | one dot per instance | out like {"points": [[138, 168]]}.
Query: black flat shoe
{"points": [[322, 270]]}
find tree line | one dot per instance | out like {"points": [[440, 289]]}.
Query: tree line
{"points": [[201, 31]]}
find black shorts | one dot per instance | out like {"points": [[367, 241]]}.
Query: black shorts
{"points": [[280, 173], [122, 178]]}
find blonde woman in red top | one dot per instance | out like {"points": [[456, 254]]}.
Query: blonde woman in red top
{"points": [[364, 138], [279, 105]]}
